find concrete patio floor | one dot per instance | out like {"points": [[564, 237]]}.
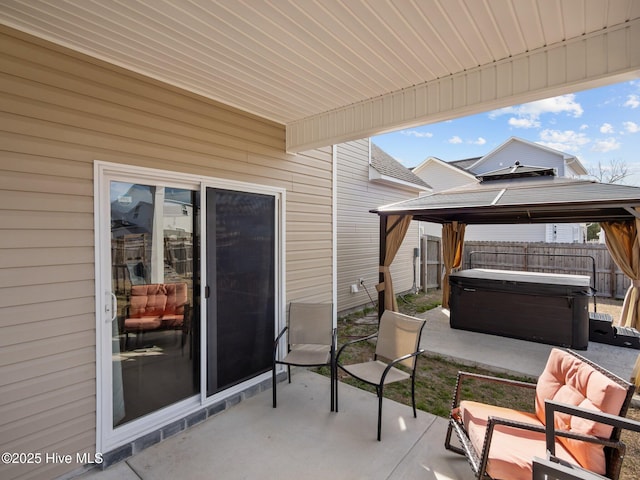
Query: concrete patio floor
{"points": [[302, 439], [510, 355]]}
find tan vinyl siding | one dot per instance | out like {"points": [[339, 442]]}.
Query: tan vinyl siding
{"points": [[60, 111], [358, 230]]}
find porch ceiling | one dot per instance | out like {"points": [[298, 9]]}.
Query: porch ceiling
{"points": [[336, 70]]}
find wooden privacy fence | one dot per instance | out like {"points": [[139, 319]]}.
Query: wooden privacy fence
{"points": [[567, 258], [430, 262]]}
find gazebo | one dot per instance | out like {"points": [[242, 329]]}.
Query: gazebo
{"points": [[518, 195]]}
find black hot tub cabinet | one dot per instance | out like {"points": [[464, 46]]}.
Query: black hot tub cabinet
{"points": [[539, 307]]}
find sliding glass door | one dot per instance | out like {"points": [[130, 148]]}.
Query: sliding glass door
{"points": [[154, 269], [188, 293]]}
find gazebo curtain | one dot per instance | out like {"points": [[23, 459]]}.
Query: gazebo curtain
{"points": [[624, 246], [396, 227], [452, 246]]}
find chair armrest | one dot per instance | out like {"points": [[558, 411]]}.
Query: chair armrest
{"points": [[276, 342], [361, 339], [493, 422], [394, 362], [615, 421], [556, 469], [398, 360], [463, 375]]}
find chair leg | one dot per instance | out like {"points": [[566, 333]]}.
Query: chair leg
{"points": [[289, 372], [447, 441], [273, 387], [413, 395], [336, 392], [332, 388], [379, 412]]}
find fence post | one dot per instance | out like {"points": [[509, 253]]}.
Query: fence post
{"points": [[614, 278]]}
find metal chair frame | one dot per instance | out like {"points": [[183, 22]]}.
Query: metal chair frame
{"points": [[331, 363], [390, 364]]}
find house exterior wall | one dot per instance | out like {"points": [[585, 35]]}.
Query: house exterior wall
{"points": [[358, 242], [60, 112], [506, 233], [526, 154], [441, 177]]}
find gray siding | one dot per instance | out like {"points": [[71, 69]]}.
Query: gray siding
{"points": [[506, 233], [525, 154], [60, 112]]}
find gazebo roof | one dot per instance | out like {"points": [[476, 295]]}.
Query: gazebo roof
{"points": [[523, 200]]}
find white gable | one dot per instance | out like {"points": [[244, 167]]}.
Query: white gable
{"points": [[530, 154], [526, 153], [442, 176]]}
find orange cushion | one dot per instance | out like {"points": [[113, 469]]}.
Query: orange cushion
{"points": [[142, 323], [147, 300], [172, 321], [567, 379], [512, 449], [176, 298]]}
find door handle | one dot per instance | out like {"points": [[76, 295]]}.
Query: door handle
{"points": [[111, 307]]}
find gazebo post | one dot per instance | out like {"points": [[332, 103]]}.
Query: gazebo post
{"points": [[382, 254]]}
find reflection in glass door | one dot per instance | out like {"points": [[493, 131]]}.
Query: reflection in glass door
{"points": [[154, 263]]}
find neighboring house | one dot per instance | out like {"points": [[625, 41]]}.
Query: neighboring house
{"points": [[368, 178], [443, 175]]}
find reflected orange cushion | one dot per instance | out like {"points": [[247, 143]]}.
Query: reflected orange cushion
{"points": [[142, 323]]}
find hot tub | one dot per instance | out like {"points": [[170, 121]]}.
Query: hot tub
{"points": [[539, 307]]}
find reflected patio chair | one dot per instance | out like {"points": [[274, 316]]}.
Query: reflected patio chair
{"points": [[553, 468], [311, 341], [398, 342]]}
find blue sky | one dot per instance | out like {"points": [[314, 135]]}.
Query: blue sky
{"points": [[597, 125]]}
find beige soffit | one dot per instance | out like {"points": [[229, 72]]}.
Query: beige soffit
{"points": [[337, 70]]}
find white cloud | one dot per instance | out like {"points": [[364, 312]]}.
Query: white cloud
{"points": [[479, 141], [584, 126], [417, 134], [606, 128], [455, 139], [633, 101], [524, 122], [564, 141], [631, 127], [606, 145], [528, 115]]}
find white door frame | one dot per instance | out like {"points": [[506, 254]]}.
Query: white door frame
{"points": [[108, 438]]}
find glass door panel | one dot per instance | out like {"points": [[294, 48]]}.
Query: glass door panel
{"points": [[241, 283], [154, 265]]}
